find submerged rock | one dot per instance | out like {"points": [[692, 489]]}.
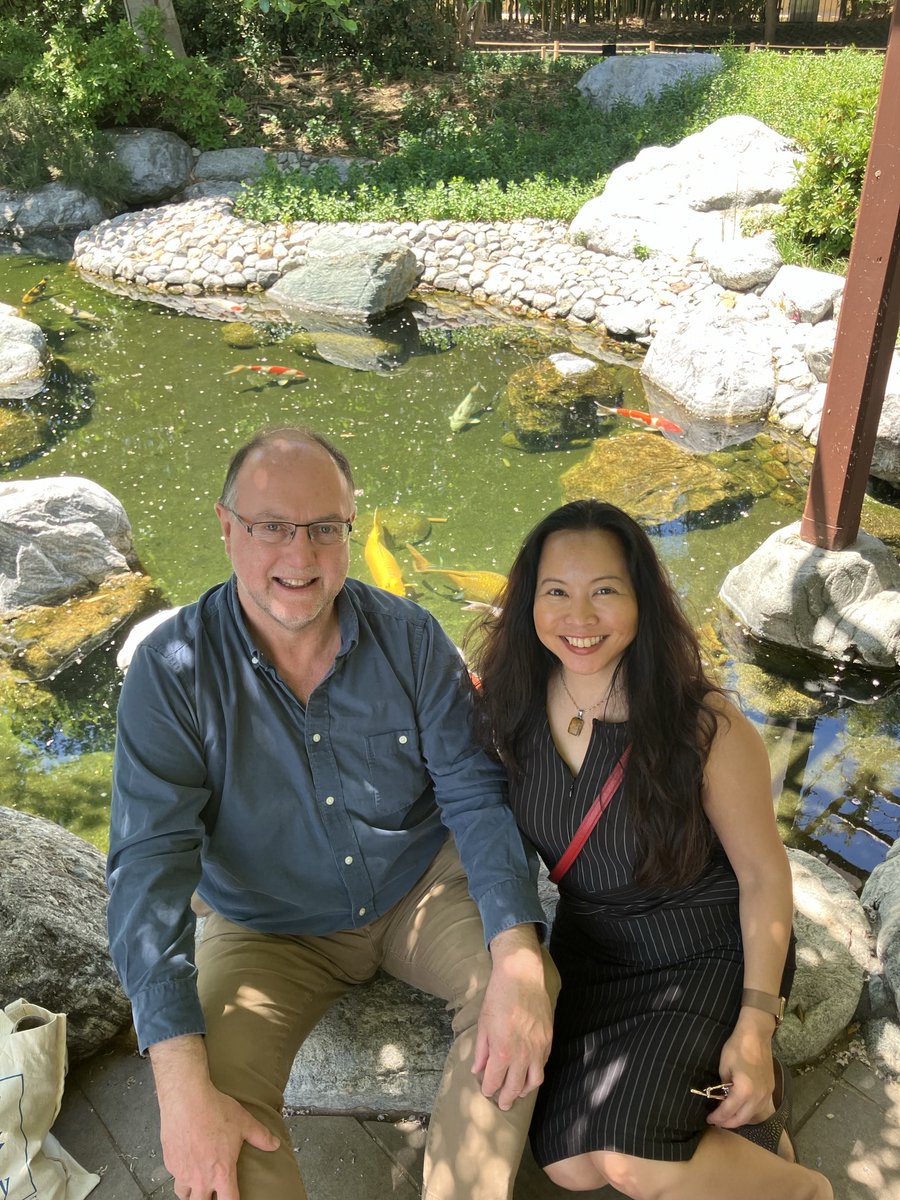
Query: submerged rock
{"points": [[42, 641], [241, 335], [655, 481], [553, 403], [53, 916], [22, 434], [401, 525]]}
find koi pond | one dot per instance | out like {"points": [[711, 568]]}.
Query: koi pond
{"points": [[145, 401]]}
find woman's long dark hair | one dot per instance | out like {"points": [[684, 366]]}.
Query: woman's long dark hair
{"points": [[671, 724]]}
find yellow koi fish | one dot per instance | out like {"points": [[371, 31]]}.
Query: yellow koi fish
{"points": [[474, 585], [35, 292], [384, 567]]}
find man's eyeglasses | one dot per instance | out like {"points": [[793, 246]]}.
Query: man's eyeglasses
{"points": [[279, 533]]}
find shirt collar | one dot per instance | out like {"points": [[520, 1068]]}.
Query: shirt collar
{"points": [[347, 619]]}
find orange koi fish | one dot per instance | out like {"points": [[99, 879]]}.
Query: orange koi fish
{"points": [[651, 419], [483, 586], [384, 567], [284, 373]]}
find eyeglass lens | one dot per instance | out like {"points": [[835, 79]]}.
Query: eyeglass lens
{"points": [[324, 533]]}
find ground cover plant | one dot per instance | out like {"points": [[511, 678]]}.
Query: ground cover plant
{"points": [[505, 137]]}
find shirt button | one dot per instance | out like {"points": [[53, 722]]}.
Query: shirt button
{"points": [[349, 859], [402, 739], [317, 737], [329, 799], [362, 912]]}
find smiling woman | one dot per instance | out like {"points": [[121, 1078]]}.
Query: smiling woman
{"points": [[673, 929]]}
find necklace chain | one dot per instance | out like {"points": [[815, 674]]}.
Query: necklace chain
{"points": [[576, 725]]}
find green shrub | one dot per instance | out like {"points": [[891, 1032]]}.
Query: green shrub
{"points": [[113, 79], [820, 210], [40, 18], [38, 145], [20, 47]]}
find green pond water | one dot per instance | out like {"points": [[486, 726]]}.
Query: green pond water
{"points": [[142, 404]]}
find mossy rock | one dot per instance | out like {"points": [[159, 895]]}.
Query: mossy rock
{"points": [[547, 410], [22, 433], [658, 484], [401, 525], [42, 641], [241, 335], [881, 521]]}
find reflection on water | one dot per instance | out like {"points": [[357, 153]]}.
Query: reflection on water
{"points": [[143, 404]]}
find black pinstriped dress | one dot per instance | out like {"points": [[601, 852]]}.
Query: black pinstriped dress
{"points": [[651, 981]]}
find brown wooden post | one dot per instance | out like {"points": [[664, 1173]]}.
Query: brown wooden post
{"points": [[556, 51], [867, 328]]}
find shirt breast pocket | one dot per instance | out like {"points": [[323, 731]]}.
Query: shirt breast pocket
{"points": [[397, 773]]}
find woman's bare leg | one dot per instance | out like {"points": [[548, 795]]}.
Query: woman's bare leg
{"points": [[723, 1164]]}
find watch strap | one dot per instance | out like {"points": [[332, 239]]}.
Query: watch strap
{"points": [[751, 998]]}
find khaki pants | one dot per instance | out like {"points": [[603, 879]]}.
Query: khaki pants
{"points": [[262, 994]]}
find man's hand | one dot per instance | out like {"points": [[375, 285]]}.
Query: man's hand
{"points": [[201, 1129], [516, 1022]]}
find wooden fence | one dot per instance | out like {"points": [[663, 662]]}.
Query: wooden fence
{"points": [[553, 51]]}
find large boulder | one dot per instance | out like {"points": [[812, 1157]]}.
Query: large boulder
{"points": [[741, 263], [58, 536], [53, 942], [380, 1048], [804, 294], [655, 481], [838, 604], [834, 953], [716, 363], [47, 209], [24, 358], [669, 200], [886, 456], [156, 163], [244, 162], [881, 900], [635, 78], [349, 276]]}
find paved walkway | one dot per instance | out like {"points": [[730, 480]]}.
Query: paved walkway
{"points": [[846, 1122]]}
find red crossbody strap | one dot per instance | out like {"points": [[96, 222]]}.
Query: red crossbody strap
{"points": [[593, 815]]}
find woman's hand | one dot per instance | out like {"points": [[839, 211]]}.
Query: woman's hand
{"points": [[746, 1064]]}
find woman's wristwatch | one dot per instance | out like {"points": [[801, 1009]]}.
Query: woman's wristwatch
{"points": [[751, 998]]}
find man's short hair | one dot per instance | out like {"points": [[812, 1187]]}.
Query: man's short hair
{"points": [[263, 437]]}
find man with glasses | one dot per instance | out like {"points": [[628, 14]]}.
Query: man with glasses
{"points": [[293, 749]]}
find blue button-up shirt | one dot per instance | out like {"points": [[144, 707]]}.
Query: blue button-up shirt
{"points": [[290, 819]]}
